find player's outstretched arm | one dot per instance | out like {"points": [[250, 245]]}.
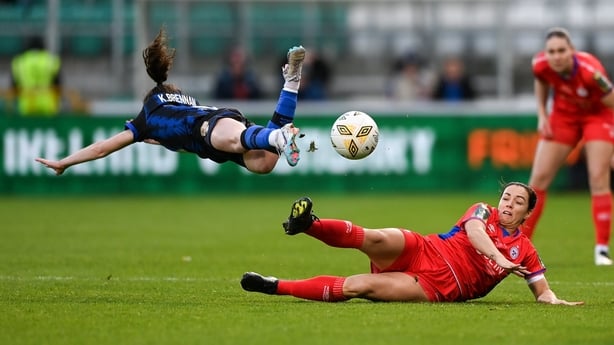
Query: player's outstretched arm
{"points": [[543, 294], [476, 231], [94, 151]]}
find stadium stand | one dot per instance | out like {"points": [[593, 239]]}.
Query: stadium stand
{"points": [[360, 37]]}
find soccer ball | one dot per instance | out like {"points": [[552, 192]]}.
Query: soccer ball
{"points": [[354, 135]]}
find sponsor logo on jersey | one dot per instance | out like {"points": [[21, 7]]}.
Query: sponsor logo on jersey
{"points": [[566, 89], [581, 91]]}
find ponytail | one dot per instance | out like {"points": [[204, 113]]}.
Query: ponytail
{"points": [[158, 58]]}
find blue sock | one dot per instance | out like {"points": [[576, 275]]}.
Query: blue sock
{"points": [[256, 137], [284, 112]]}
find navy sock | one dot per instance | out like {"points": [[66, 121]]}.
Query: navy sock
{"points": [[256, 137], [284, 112]]}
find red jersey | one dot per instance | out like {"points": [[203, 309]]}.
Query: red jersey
{"points": [[581, 91], [475, 274]]}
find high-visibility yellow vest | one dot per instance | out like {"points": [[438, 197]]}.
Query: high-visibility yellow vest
{"points": [[34, 72]]}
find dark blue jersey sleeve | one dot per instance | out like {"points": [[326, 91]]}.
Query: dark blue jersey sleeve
{"points": [[137, 126]]}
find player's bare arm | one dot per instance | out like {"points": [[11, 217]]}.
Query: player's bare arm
{"points": [[543, 294], [476, 231], [94, 151], [541, 90], [608, 100]]}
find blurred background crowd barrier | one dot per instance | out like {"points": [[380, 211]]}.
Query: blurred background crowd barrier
{"points": [[426, 144], [424, 153], [100, 40]]}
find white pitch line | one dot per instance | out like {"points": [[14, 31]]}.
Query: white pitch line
{"points": [[113, 278], [582, 283], [189, 279]]}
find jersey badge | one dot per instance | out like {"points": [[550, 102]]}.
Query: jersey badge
{"points": [[514, 252], [602, 81], [581, 91]]}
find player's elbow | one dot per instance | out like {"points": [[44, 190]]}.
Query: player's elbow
{"points": [[100, 150]]}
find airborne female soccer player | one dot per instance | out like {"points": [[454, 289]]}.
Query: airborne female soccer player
{"points": [[177, 122]]}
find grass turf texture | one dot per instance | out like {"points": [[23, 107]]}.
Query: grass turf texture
{"points": [[166, 270]]}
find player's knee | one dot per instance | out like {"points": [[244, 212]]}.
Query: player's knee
{"points": [[260, 161], [541, 180], [261, 168], [374, 238], [382, 237], [357, 286]]}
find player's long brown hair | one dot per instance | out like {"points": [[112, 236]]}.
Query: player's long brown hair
{"points": [[158, 59]]}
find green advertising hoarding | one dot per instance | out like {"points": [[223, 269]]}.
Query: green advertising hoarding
{"points": [[419, 153]]}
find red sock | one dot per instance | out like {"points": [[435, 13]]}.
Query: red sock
{"points": [[337, 233], [602, 217], [529, 225], [320, 288]]}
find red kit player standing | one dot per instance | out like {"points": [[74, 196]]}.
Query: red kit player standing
{"points": [[582, 110]]}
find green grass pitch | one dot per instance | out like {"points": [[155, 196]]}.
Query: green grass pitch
{"points": [[166, 270]]}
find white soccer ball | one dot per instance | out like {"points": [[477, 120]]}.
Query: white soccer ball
{"points": [[354, 135]]}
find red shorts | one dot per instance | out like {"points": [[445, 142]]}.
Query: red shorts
{"points": [[571, 128], [421, 260]]}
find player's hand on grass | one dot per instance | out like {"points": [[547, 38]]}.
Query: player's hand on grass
{"points": [[55, 165], [553, 300], [564, 302], [549, 297]]}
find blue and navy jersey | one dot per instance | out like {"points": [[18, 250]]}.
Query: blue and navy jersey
{"points": [[174, 120]]}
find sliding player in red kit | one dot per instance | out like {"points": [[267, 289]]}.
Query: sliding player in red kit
{"points": [[479, 273], [582, 112], [482, 248]]}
